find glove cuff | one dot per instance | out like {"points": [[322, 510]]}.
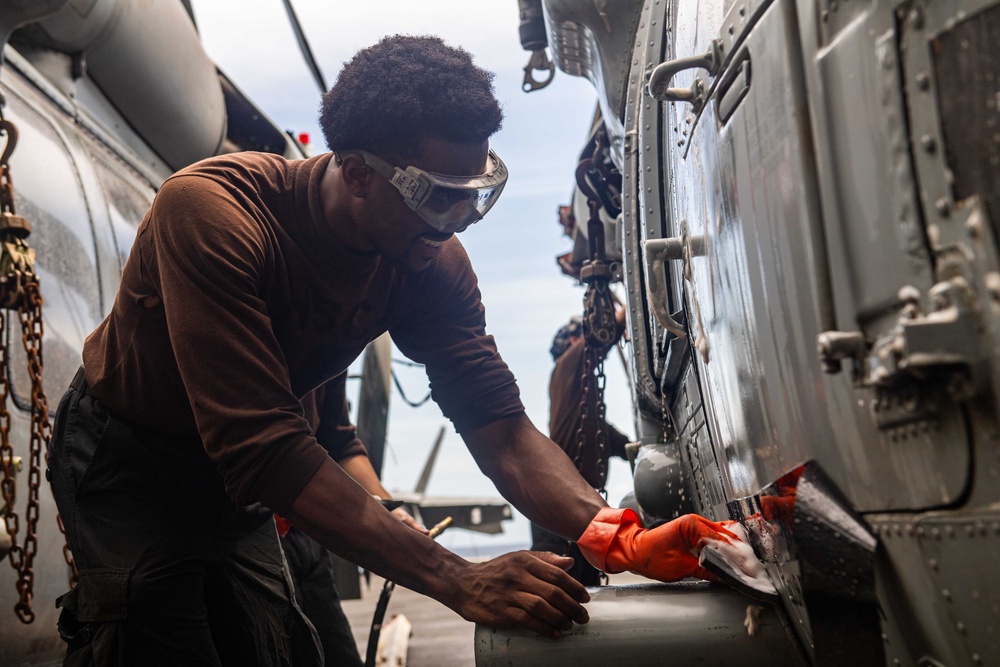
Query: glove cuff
{"points": [[602, 532]]}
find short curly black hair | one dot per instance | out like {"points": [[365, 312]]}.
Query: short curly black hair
{"points": [[391, 97]]}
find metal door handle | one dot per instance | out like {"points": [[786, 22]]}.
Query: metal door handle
{"points": [[659, 80], [658, 251]]}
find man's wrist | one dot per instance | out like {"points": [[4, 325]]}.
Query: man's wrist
{"points": [[447, 579]]}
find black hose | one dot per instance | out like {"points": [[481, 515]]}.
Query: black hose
{"points": [[383, 603]]}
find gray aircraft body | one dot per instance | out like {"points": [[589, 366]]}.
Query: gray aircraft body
{"points": [[805, 187], [802, 199]]}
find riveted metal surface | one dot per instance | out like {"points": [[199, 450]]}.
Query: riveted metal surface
{"points": [[699, 30], [914, 624], [744, 310], [927, 28], [876, 245], [706, 478], [739, 20], [875, 240], [955, 186], [833, 16], [938, 587], [967, 69], [643, 326], [966, 551], [733, 29], [836, 553]]}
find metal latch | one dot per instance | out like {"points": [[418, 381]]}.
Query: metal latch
{"points": [[941, 345]]}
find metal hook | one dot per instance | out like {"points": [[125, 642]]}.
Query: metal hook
{"points": [[538, 61], [8, 128]]}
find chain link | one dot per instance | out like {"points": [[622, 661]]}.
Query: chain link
{"points": [[592, 403], [8, 484], [21, 292], [581, 427], [22, 556], [602, 425], [599, 332]]}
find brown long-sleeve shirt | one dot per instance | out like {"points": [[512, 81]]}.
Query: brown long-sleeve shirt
{"points": [[237, 300], [328, 412]]}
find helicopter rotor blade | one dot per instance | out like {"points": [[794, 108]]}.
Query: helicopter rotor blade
{"points": [[307, 53]]}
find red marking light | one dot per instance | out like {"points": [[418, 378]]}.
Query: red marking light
{"points": [[304, 138]]}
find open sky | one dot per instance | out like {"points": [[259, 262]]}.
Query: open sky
{"points": [[513, 250]]}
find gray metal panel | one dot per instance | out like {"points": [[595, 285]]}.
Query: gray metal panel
{"points": [[696, 449], [128, 198], [62, 234], [741, 188], [67, 267], [876, 237], [963, 552], [73, 210], [756, 301], [146, 57], [636, 210], [938, 586], [92, 112], [14, 13], [594, 40]]}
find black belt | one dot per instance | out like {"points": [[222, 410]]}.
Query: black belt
{"points": [[79, 381]]}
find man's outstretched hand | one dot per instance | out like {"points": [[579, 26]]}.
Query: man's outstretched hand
{"points": [[614, 542], [408, 520], [530, 589]]}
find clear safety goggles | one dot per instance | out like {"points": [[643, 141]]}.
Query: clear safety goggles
{"points": [[449, 204]]}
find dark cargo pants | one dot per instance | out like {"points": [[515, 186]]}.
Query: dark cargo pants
{"points": [[312, 573], [171, 571]]}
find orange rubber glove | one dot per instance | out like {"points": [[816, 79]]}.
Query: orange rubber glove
{"points": [[614, 542]]}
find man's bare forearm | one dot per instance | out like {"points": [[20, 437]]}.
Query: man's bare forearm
{"points": [[360, 530], [534, 474], [360, 468]]}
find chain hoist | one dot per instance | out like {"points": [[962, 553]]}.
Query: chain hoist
{"points": [[20, 293], [599, 329]]}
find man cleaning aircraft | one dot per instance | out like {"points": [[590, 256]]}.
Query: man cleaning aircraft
{"points": [[253, 280]]}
